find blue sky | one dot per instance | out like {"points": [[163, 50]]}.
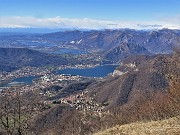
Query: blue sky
{"points": [[89, 13]]}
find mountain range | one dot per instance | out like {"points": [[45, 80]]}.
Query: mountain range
{"points": [[120, 43], [112, 45]]}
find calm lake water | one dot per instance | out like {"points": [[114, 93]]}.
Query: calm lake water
{"points": [[27, 79], [100, 71], [22, 80]]}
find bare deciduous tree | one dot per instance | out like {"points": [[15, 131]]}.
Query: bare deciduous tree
{"points": [[16, 111]]}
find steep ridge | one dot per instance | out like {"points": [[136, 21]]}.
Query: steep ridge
{"points": [[125, 50], [137, 80], [146, 90]]}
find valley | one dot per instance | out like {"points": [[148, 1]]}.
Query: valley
{"points": [[82, 82], [89, 67]]}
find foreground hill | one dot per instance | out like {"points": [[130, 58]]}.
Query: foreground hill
{"points": [[141, 89], [137, 80], [169, 126]]}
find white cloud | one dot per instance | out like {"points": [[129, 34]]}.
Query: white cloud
{"points": [[58, 22]]}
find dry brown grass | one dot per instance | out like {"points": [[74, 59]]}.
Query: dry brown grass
{"points": [[169, 126]]}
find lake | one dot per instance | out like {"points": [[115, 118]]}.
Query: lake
{"points": [[99, 71], [22, 80]]}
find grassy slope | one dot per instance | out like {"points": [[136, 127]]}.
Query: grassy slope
{"points": [[169, 126]]}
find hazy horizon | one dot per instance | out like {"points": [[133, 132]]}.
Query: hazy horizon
{"points": [[90, 14]]}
